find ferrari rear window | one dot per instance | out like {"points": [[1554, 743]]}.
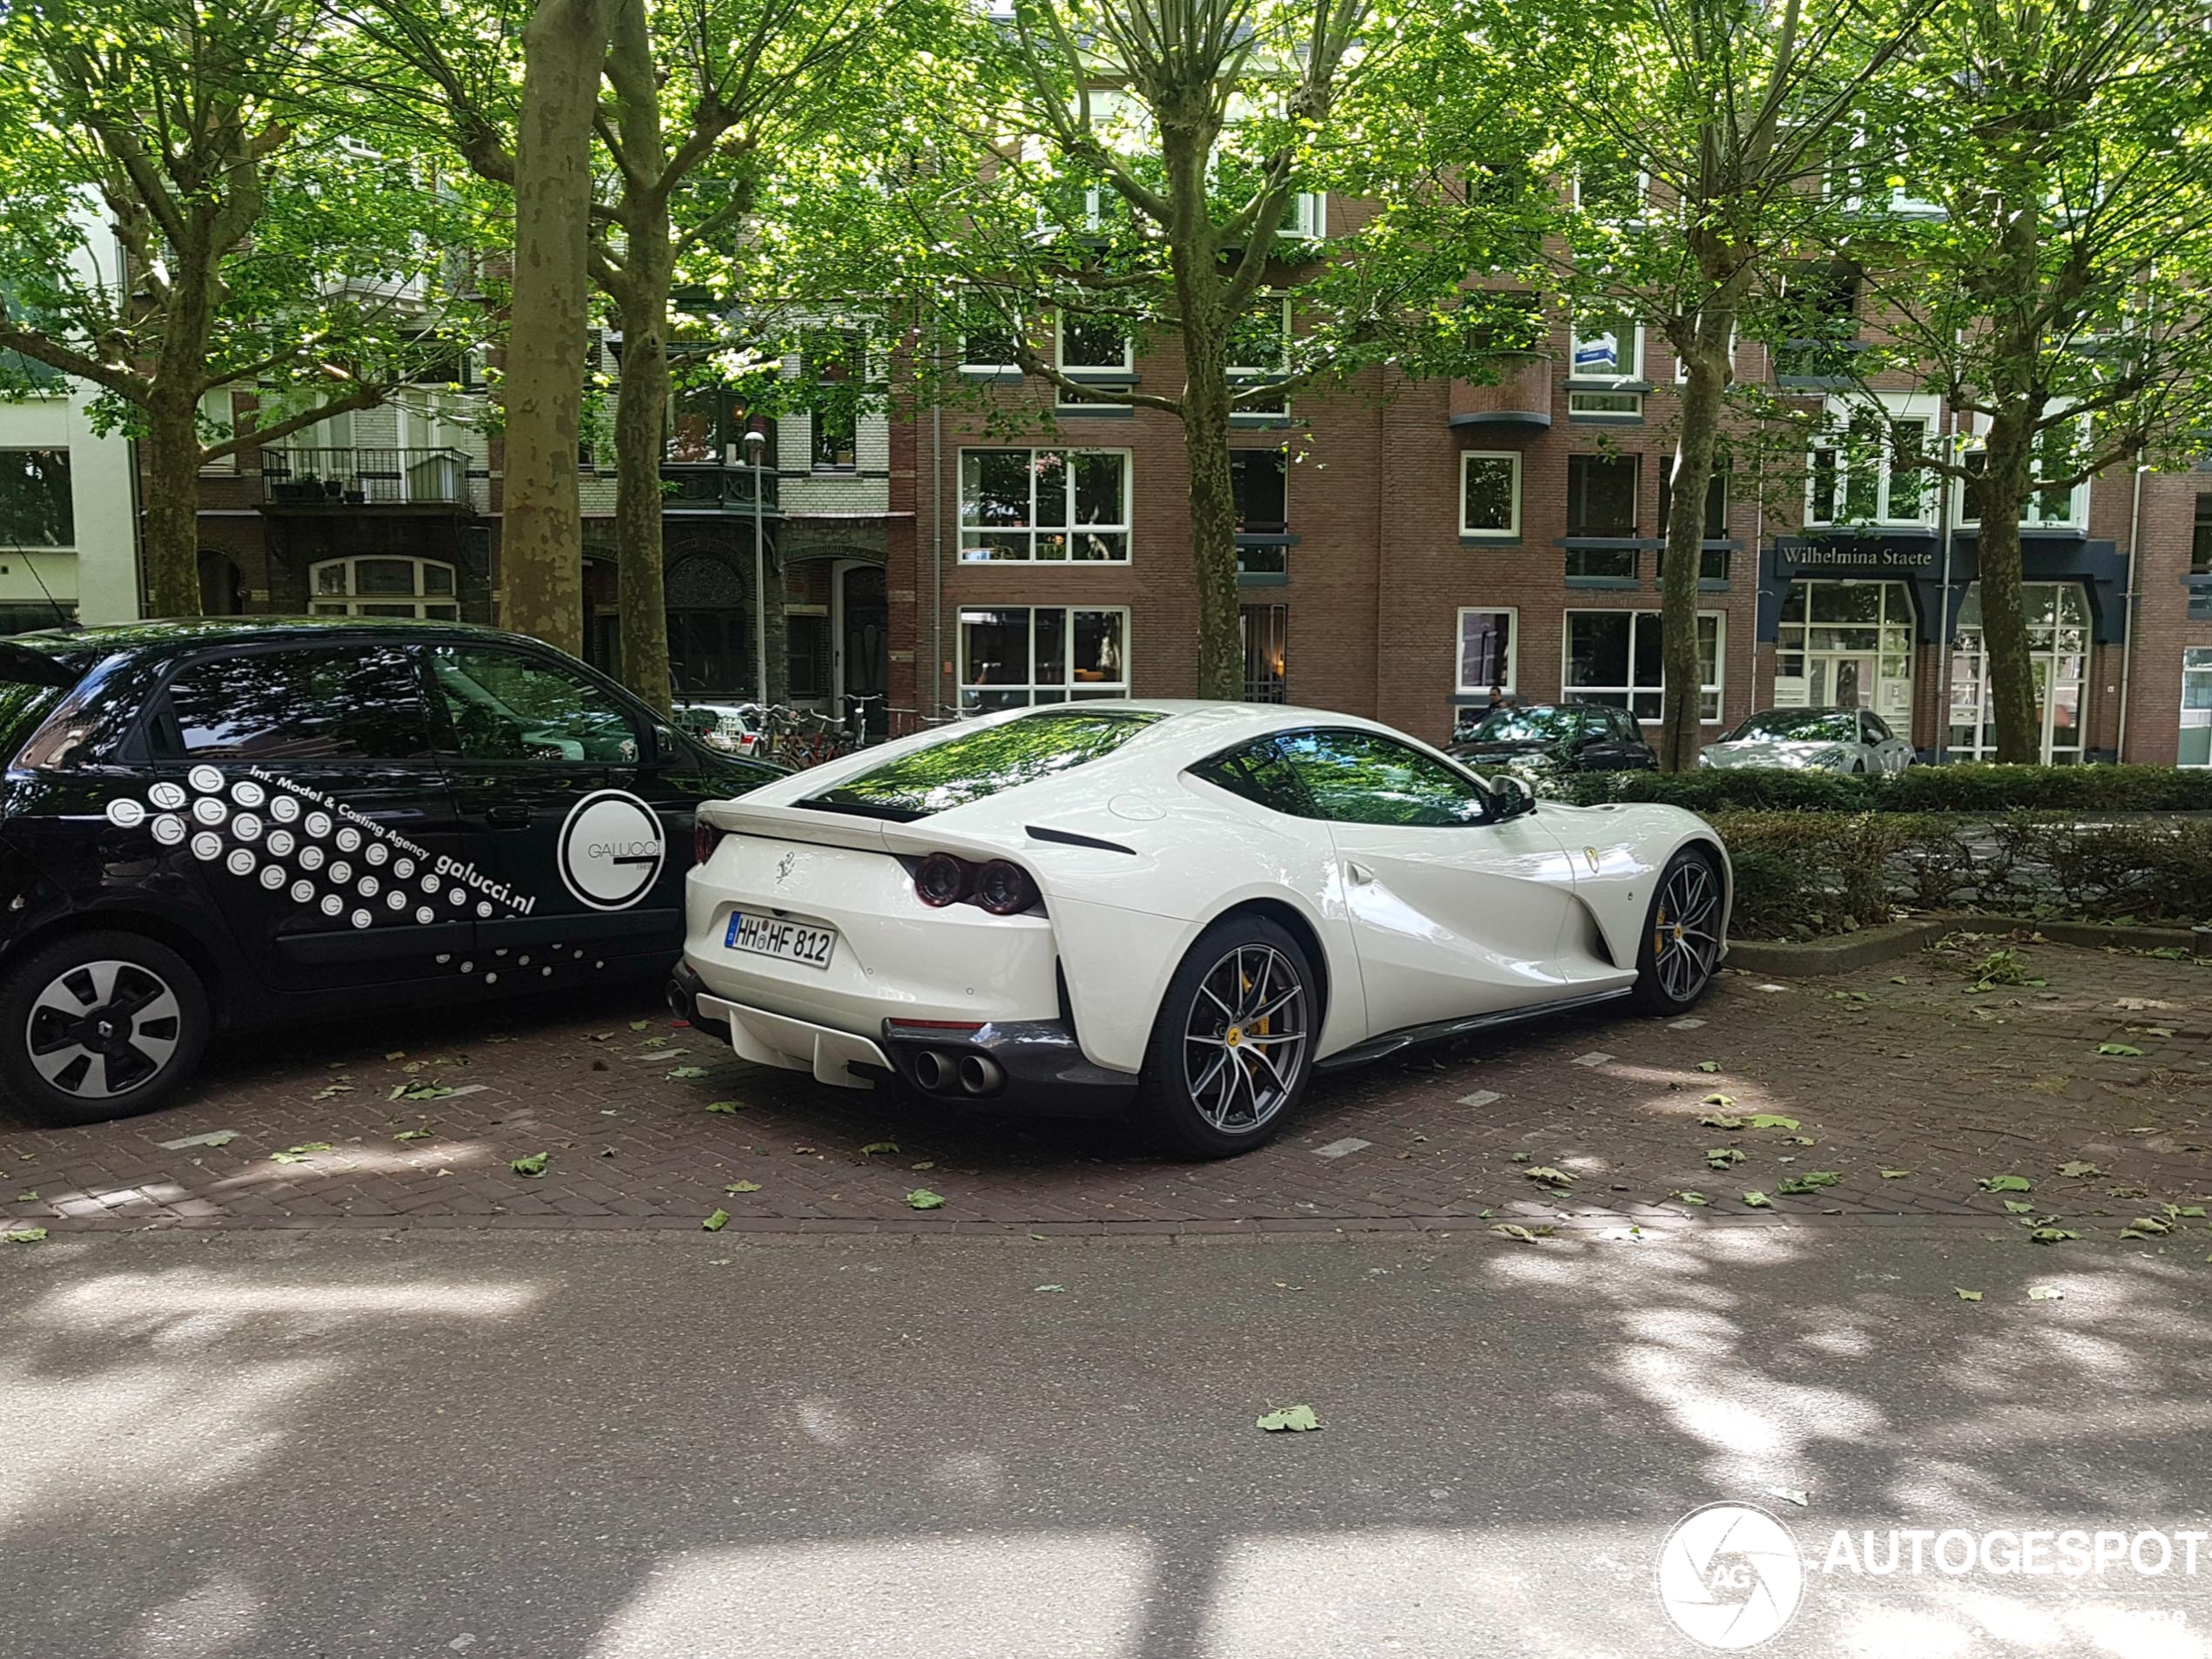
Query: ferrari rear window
{"points": [[987, 761]]}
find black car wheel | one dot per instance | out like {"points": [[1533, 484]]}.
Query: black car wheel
{"points": [[1232, 1046], [1680, 947], [100, 1025]]}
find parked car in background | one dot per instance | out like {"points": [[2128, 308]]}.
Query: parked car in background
{"points": [[1184, 907], [1545, 737], [236, 822], [1856, 740]]}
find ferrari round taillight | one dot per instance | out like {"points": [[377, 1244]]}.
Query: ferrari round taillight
{"points": [[704, 838], [941, 879], [1004, 889]]}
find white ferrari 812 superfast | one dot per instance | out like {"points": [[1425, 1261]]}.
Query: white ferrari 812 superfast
{"points": [[1180, 908]]}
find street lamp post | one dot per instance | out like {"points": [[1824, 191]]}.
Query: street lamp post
{"points": [[756, 441]]}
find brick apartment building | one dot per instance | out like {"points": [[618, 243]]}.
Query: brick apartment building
{"points": [[1407, 545]]}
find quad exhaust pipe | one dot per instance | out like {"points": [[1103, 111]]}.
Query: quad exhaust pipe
{"points": [[941, 1073]]}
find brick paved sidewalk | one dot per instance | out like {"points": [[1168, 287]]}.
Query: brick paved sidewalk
{"points": [[1901, 1068]]}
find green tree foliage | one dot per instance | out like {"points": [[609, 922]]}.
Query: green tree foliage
{"points": [[269, 248], [2033, 186]]}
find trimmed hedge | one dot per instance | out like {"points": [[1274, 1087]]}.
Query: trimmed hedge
{"points": [[1991, 791], [1805, 873]]}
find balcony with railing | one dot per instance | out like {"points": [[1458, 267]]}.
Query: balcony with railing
{"points": [[708, 488], [1520, 397], [358, 477]]}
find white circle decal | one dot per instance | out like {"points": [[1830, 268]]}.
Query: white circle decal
{"points": [[348, 839], [272, 877], [430, 885], [247, 827], [168, 797], [126, 815], [1729, 1575], [240, 862], [341, 870], [377, 852], [284, 809], [395, 899], [422, 913], [302, 891], [318, 825], [483, 907], [207, 845], [280, 842], [403, 869], [332, 904], [210, 810], [367, 886], [457, 896], [311, 858], [205, 779], [169, 829], [246, 792], [610, 850], [361, 918]]}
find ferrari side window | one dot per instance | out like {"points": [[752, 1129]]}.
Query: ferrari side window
{"points": [[1364, 777], [1259, 774]]}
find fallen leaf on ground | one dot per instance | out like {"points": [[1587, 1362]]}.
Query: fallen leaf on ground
{"points": [[724, 1106], [2076, 1169], [1895, 1175], [1526, 1235], [1721, 1157], [879, 1146], [1720, 1119], [2052, 1235], [1708, 1065], [2045, 1293], [1968, 1296], [531, 1164], [24, 1236], [923, 1198], [681, 1074], [2006, 1184], [396, 1054], [414, 1134], [1718, 1099], [715, 1223], [1545, 1173], [1759, 1201], [1291, 1419], [300, 1153], [926, 1164], [1690, 1198], [1041, 1289], [1768, 1120], [2125, 1051], [1791, 1494], [639, 1025], [743, 1186], [1811, 1181]]}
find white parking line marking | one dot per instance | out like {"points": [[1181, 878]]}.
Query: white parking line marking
{"points": [[1596, 1057], [1341, 1148], [1480, 1097]]}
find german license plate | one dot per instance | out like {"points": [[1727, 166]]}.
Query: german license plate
{"points": [[787, 941]]}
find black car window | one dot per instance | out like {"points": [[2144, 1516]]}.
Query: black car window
{"points": [[982, 761], [1364, 777], [355, 702], [502, 705], [1876, 731], [1624, 728], [1259, 773]]}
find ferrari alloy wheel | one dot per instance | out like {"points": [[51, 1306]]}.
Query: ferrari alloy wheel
{"points": [[1682, 943], [1232, 1046], [100, 1025]]}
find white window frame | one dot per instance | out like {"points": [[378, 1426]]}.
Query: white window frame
{"points": [[1643, 198], [1032, 529], [1715, 689], [1511, 532], [1262, 372], [2077, 514], [1890, 408], [224, 413], [1597, 393], [1682, 369], [1308, 218], [352, 603], [1077, 371], [970, 363], [2203, 669], [1512, 614], [1067, 689]]}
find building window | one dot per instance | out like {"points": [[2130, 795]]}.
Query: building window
{"points": [[1487, 657], [1044, 506], [1259, 351], [1605, 347], [1822, 307], [806, 636], [419, 587], [2201, 538], [217, 424], [1266, 631], [1845, 645], [1602, 492], [1261, 480], [1610, 187], [36, 507], [1489, 495], [987, 340], [835, 361], [2050, 507], [1716, 501], [2196, 706], [1096, 344], [1869, 473], [1011, 656], [1615, 657], [1305, 217]]}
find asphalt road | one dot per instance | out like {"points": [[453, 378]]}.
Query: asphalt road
{"points": [[631, 1446]]}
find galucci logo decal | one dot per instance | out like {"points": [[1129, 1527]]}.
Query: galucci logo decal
{"points": [[610, 850]]}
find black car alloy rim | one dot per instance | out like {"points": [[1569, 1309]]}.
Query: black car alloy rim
{"points": [[1245, 1038], [103, 1030], [1685, 941]]}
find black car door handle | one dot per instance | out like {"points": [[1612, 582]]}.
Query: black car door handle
{"points": [[509, 817]]}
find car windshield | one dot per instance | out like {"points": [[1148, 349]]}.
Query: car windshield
{"points": [[985, 762], [1798, 726], [1526, 725]]}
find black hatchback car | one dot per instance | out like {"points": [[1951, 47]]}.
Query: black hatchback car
{"points": [[1557, 737], [234, 823]]}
